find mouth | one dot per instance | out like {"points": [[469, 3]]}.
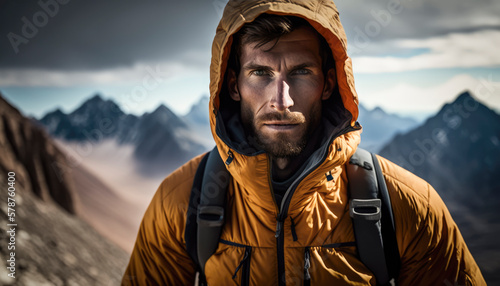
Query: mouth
{"points": [[281, 126]]}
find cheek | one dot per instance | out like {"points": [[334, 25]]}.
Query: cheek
{"points": [[253, 98], [310, 88], [254, 91], [247, 114], [312, 110], [313, 88]]}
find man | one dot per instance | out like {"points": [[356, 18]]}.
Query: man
{"points": [[283, 115]]}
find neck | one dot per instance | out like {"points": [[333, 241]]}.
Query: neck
{"points": [[284, 168]]}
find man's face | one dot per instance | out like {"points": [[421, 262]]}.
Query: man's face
{"points": [[281, 89]]}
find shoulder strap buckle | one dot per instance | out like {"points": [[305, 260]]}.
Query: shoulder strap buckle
{"points": [[366, 209], [210, 216]]}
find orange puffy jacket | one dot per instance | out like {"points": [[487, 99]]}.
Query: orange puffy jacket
{"points": [[431, 247]]}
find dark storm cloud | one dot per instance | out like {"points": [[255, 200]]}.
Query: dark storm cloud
{"points": [[103, 34], [377, 21], [90, 35]]}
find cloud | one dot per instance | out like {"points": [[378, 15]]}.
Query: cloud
{"points": [[89, 35], [141, 73], [405, 98], [457, 50], [417, 18]]}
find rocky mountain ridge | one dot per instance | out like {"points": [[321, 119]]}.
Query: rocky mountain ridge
{"points": [[457, 151], [52, 245], [162, 141]]}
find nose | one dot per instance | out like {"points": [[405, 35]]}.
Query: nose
{"points": [[281, 100]]}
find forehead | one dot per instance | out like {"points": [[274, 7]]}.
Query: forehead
{"points": [[300, 44]]}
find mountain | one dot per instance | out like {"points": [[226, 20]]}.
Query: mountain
{"points": [[29, 152], [379, 127], [458, 152], [96, 119], [162, 141], [198, 114], [199, 121], [52, 245]]}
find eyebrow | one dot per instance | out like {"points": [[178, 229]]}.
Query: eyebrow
{"points": [[253, 66]]}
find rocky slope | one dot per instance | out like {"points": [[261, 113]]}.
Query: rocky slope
{"points": [[38, 164], [52, 245]]}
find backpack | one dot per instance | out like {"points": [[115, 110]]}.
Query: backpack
{"points": [[369, 207]]}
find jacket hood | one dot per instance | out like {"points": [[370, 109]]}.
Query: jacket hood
{"points": [[341, 109]]}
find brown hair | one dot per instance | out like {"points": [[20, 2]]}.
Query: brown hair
{"points": [[268, 27]]}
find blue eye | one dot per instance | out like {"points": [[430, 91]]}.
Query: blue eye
{"points": [[259, 72], [301, 71]]}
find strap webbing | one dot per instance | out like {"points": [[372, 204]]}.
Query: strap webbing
{"points": [[391, 248], [365, 209], [211, 208], [190, 234]]}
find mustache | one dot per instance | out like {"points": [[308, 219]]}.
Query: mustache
{"points": [[288, 117]]}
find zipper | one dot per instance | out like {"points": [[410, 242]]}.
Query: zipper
{"points": [[294, 233], [279, 227], [307, 265], [280, 240], [245, 267], [244, 264], [245, 256], [245, 276], [285, 203]]}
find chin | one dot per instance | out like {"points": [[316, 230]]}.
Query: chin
{"points": [[283, 147]]}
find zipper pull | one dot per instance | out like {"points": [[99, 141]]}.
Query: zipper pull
{"points": [[279, 226], [307, 265], [294, 233], [247, 252], [230, 158], [329, 176]]}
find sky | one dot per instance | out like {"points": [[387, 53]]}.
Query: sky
{"points": [[409, 56]]}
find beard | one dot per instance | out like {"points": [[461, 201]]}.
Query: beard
{"points": [[281, 145]]}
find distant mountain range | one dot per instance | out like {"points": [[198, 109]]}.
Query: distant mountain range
{"points": [[460, 142], [162, 141], [379, 127]]}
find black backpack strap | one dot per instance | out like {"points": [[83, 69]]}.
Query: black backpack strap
{"points": [[191, 231], [212, 204], [205, 215], [391, 248], [371, 213]]}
